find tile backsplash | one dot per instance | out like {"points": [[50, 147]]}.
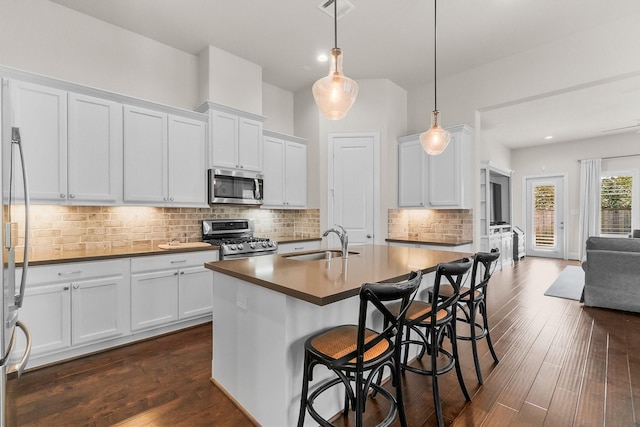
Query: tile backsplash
{"points": [[431, 224], [72, 228]]}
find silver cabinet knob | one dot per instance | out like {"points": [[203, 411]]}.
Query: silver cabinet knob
{"points": [[72, 196], [171, 199], [62, 196]]}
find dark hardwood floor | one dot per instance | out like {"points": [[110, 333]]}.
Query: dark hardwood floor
{"points": [[561, 364]]}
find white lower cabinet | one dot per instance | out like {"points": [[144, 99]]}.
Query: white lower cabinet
{"points": [[167, 288], [76, 303], [501, 238], [77, 308]]}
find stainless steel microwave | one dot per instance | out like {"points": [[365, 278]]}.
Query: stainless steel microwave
{"points": [[235, 187]]}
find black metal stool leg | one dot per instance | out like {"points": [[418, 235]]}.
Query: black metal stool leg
{"points": [[434, 385], [305, 391], [454, 348], [483, 309], [474, 341]]}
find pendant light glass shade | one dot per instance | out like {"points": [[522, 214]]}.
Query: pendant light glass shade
{"points": [[335, 93], [436, 139]]}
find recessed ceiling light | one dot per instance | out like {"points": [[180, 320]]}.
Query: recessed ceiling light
{"points": [[322, 58], [548, 137]]}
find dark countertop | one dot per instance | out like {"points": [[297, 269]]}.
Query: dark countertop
{"points": [[442, 242], [322, 282], [60, 257]]}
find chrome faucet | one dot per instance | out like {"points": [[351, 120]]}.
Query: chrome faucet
{"points": [[342, 235]]}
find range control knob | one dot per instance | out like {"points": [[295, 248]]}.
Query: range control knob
{"points": [[264, 244], [271, 244], [252, 245], [240, 246], [232, 247]]}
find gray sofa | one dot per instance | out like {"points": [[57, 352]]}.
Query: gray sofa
{"points": [[612, 273]]}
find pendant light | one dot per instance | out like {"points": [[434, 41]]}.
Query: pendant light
{"points": [[436, 139], [335, 93]]}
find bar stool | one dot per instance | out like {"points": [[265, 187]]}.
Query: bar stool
{"points": [[473, 301], [438, 319], [356, 353]]}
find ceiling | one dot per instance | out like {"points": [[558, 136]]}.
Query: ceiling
{"points": [[394, 39]]}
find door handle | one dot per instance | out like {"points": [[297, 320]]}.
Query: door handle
{"points": [[19, 367], [369, 236]]}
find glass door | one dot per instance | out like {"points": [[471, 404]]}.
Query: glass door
{"points": [[545, 217]]}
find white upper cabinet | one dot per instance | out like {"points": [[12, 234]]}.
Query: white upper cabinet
{"points": [[187, 161], [235, 138], [411, 175], [94, 150], [285, 171], [224, 127], [249, 144], [145, 156], [72, 144], [436, 182], [164, 159], [41, 114]]}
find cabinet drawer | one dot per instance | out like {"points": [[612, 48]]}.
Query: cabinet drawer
{"points": [[169, 261], [75, 271], [284, 248]]}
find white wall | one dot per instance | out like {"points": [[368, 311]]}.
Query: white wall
{"points": [[563, 158], [277, 106], [580, 59], [230, 80], [380, 107], [45, 38]]}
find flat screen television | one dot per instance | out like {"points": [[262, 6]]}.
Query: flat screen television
{"points": [[496, 204]]}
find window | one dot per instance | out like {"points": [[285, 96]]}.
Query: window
{"points": [[617, 210], [544, 216]]}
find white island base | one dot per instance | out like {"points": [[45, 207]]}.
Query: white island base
{"points": [[258, 348]]}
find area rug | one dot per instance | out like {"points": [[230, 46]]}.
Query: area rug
{"points": [[569, 283]]}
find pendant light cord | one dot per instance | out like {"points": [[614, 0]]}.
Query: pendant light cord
{"points": [[335, 23], [435, 55]]}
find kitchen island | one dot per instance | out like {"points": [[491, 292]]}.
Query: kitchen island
{"points": [[266, 306]]}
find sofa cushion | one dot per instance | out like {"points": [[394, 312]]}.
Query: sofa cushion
{"points": [[613, 244]]}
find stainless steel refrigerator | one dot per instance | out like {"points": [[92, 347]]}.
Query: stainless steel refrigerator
{"points": [[11, 158]]}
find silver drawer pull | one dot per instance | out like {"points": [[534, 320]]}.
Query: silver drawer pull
{"points": [[69, 273], [298, 248], [179, 261]]}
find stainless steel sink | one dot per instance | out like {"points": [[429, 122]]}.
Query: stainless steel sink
{"points": [[315, 256]]}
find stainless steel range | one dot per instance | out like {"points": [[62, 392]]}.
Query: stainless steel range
{"points": [[235, 238]]}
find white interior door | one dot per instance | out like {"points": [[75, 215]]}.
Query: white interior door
{"points": [[351, 186], [545, 210]]}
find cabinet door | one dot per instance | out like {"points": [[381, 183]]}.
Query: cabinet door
{"points": [[444, 176], [94, 150], [250, 144], [273, 171], [154, 299], [145, 156], [224, 140], [46, 312], [187, 162], [41, 114], [410, 174], [196, 292], [98, 309], [296, 175]]}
